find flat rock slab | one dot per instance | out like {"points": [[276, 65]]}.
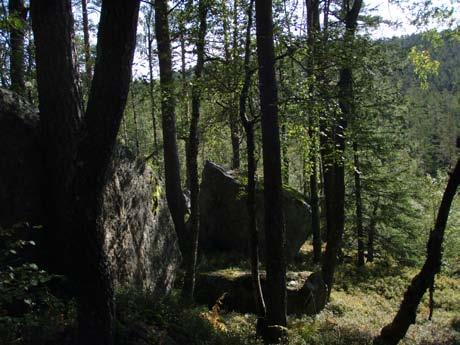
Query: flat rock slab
{"points": [[306, 291]]}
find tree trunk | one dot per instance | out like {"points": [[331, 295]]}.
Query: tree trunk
{"points": [[335, 189], [192, 158], [233, 115], [151, 79], [174, 195], [359, 207], [392, 333], [313, 28], [252, 166], [70, 145], [273, 222], [17, 9], [86, 44]]}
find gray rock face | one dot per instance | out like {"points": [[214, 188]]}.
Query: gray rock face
{"points": [[140, 239], [224, 218], [306, 293]]}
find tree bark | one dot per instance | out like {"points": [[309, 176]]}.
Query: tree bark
{"points": [[70, 143], [359, 207], [335, 173], [17, 9], [313, 28], [192, 157], [273, 221], [392, 333], [174, 194], [248, 126]]}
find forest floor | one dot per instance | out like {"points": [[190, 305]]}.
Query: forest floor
{"points": [[364, 300]]}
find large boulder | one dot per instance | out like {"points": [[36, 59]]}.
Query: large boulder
{"points": [[139, 235], [306, 292], [224, 217]]}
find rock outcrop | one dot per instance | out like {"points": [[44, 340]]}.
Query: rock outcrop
{"points": [[224, 218], [140, 237], [306, 293]]}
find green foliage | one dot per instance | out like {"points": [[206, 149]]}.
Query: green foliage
{"points": [[29, 312]]}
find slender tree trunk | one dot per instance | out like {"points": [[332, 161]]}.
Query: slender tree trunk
{"points": [[336, 214], [274, 222], [86, 44], [17, 9], [359, 207], [174, 194], [313, 28], [251, 184], [151, 79], [371, 233], [136, 126], [192, 158], [233, 120], [75, 187], [392, 333]]}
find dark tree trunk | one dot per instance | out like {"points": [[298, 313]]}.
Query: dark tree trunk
{"points": [[151, 79], [192, 158], [135, 122], [70, 145], [17, 9], [248, 126], [359, 207], [86, 44], [233, 115], [274, 223], [174, 195], [392, 333], [371, 233], [313, 28], [335, 184]]}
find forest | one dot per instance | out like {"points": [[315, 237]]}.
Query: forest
{"points": [[229, 172]]}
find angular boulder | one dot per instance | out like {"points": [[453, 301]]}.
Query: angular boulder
{"points": [[139, 235], [224, 218], [306, 292]]}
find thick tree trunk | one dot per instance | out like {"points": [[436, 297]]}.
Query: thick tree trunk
{"points": [[174, 195], [359, 207], [248, 126], [314, 203], [86, 44], [192, 158], [274, 222], [78, 180], [392, 333], [17, 9]]}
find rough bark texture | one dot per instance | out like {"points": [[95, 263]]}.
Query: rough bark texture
{"points": [[192, 158], [274, 222], [392, 333], [17, 9], [174, 194], [76, 185]]}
